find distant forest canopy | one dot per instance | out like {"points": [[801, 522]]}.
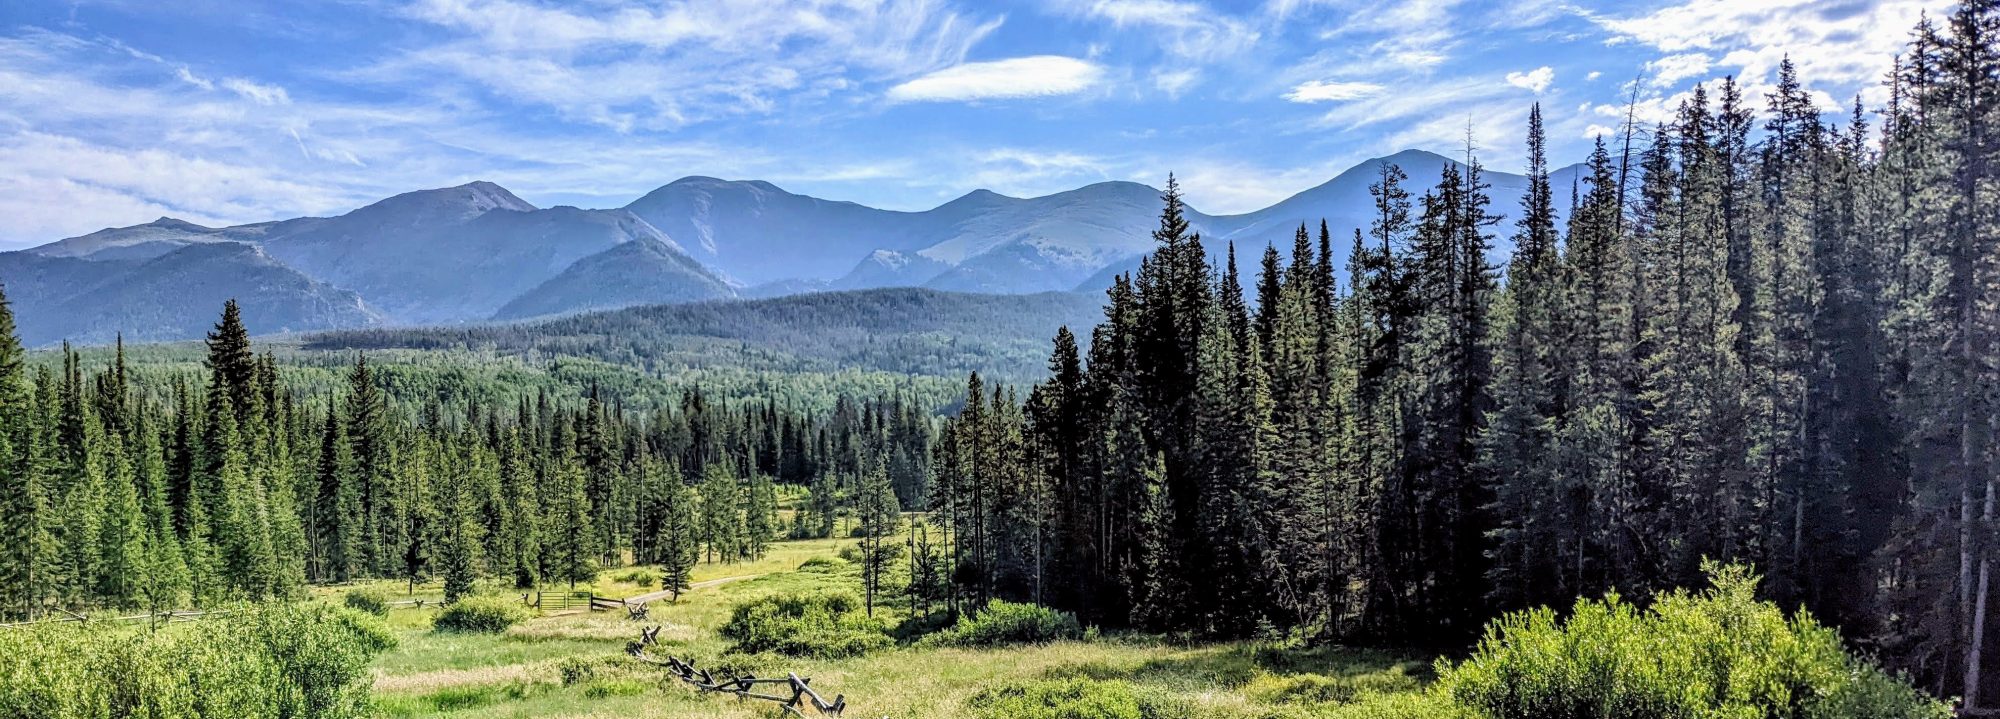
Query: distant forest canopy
{"points": [[904, 330], [1759, 338], [123, 493]]}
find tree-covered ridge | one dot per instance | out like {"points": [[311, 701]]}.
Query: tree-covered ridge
{"points": [[900, 330], [1760, 338], [165, 492]]}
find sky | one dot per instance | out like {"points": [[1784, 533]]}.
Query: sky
{"points": [[116, 112]]}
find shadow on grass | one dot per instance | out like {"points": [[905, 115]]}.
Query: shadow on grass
{"points": [[1233, 666]]}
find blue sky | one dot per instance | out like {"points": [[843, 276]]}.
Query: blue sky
{"points": [[115, 112]]}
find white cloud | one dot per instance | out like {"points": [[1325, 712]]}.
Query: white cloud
{"points": [[670, 64], [257, 93], [1849, 43], [1534, 81], [1036, 76], [1175, 82], [1187, 29], [190, 78], [1596, 130], [1669, 71], [1592, 77], [1322, 91]]}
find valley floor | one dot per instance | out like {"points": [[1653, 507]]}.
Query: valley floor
{"points": [[573, 664]]}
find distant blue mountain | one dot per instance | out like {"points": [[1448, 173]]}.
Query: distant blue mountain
{"points": [[477, 253]]}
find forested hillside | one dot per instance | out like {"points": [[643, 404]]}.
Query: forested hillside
{"points": [[901, 330], [1759, 338], [238, 486], [1754, 337]]}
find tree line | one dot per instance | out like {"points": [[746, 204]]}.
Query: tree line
{"points": [[180, 491], [1760, 337]]}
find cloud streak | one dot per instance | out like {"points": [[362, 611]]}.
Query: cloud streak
{"points": [[1021, 77]]}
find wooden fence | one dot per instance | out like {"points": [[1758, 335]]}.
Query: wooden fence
{"points": [[559, 601], [746, 686]]}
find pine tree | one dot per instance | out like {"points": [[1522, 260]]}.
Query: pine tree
{"points": [[680, 539], [25, 575], [123, 533], [721, 514], [760, 516], [879, 511], [367, 432], [458, 539], [334, 514], [571, 536]]}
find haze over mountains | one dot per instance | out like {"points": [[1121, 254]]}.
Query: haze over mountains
{"points": [[476, 253]]}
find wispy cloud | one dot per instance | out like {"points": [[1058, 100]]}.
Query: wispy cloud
{"points": [[1831, 42], [1323, 91], [257, 93], [1185, 29], [1037, 76], [665, 66]]}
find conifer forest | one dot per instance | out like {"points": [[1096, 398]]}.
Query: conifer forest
{"points": [[1751, 337]]}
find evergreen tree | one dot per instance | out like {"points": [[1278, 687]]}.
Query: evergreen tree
{"points": [[680, 539], [760, 516]]}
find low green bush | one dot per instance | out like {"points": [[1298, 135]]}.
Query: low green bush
{"points": [[1071, 698], [480, 614], [372, 601], [1002, 623], [1714, 654], [824, 565], [622, 687], [1323, 689], [642, 576], [825, 625], [306, 661], [576, 670]]}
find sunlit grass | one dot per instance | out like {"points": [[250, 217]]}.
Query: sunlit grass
{"points": [[518, 673]]}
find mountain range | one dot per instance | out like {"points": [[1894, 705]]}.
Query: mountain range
{"points": [[476, 253]]}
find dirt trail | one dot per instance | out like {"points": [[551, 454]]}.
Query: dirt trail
{"points": [[655, 596]]}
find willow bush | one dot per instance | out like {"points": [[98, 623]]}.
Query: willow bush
{"points": [[1714, 654], [304, 661], [823, 625]]}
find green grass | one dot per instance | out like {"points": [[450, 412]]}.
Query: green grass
{"points": [[518, 674]]}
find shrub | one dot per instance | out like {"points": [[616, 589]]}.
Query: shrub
{"points": [[1073, 698], [1001, 623], [1322, 689], [625, 687], [825, 625], [641, 576], [824, 565], [305, 661], [479, 614], [372, 601], [1717, 653], [576, 670]]}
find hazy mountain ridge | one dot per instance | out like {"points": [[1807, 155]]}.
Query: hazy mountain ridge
{"points": [[477, 252]]}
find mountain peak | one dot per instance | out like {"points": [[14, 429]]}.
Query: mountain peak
{"points": [[445, 205]]}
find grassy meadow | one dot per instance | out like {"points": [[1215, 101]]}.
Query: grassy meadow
{"points": [[573, 664]]}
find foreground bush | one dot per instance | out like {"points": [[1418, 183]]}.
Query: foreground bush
{"points": [[305, 661], [1002, 623], [824, 625], [1717, 654], [372, 601], [480, 614], [1323, 689], [1073, 698]]}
